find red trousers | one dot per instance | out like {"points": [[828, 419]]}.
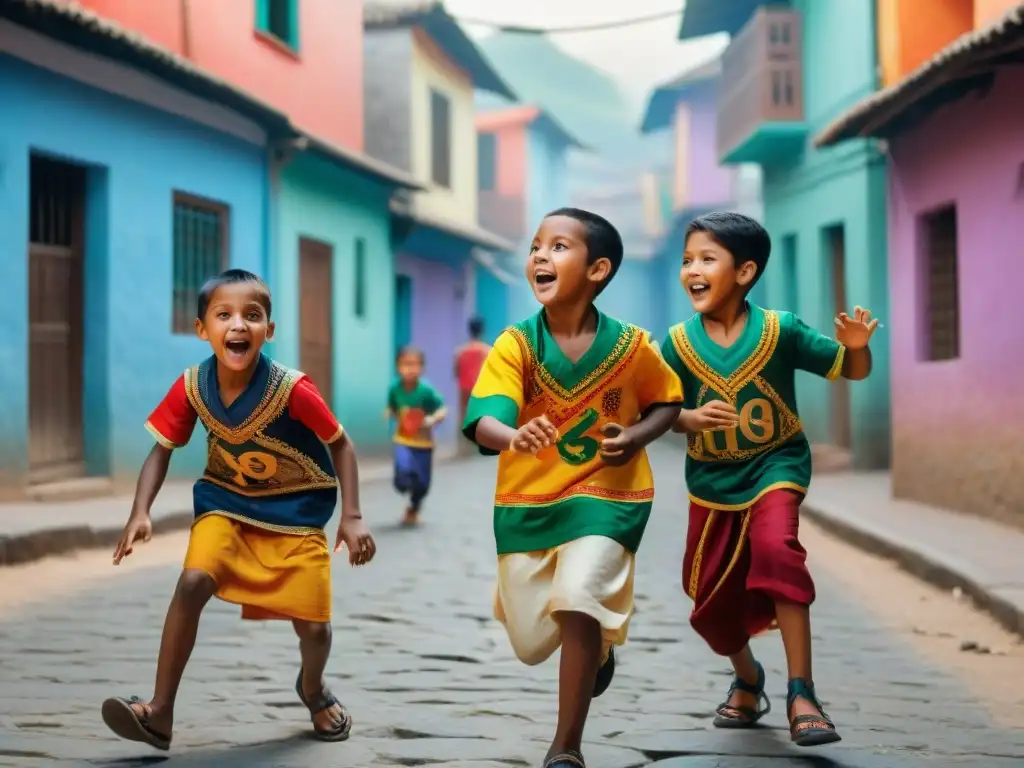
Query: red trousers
{"points": [[738, 563]]}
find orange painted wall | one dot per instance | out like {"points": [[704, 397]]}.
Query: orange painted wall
{"points": [[912, 31], [320, 86], [987, 11]]}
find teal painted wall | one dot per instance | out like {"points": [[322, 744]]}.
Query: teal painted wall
{"points": [[840, 186], [320, 201]]}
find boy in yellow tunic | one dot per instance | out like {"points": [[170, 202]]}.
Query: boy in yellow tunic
{"points": [[569, 399], [275, 455]]}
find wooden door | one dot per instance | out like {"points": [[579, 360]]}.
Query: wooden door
{"points": [[840, 388], [316, 316], [56, 449]]}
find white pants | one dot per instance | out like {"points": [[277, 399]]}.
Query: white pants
{"points": [[592, 575]]}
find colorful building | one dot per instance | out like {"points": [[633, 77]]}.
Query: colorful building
{"points": [[329, 262], [422, 71], [522, 159], [790, 68], [950, 128], [128, 174], [684, 110]]}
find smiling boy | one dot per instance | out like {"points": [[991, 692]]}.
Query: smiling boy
{"points": [[275, 453], [569, 399], [748, 463]]}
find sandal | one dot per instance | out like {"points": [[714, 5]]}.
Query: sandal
{"points": [[808, 730], [605, 674], [729, 716], [568, 759], [326, 700], [122, 718]]}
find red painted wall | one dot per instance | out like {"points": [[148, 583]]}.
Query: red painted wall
{"points": [[320, 86]]}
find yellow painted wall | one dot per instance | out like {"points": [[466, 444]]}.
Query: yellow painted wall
{"points": [[431, 70]]}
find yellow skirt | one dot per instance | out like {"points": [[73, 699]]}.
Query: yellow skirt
{"points": [[271, 575]]}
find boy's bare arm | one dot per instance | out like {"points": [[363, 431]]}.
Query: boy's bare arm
{"points": [[343, 456], [656, 423], [857, 364], [151, 479], [492, 434]]}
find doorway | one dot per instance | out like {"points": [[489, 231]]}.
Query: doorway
{"points": [[403, 311], [316, 314], [840, 420], [56, 444]]}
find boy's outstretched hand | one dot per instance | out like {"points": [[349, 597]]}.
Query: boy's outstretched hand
{"points": [[618, 447], [138, 528], [353, 533], [855, 332]]}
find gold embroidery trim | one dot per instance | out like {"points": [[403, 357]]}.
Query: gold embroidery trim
{"points": [[698, 555], [781, 485], [336, 436], [741, 542], [317, 478], [278, 391], [730, 387], [627, 338], [837, 366], [158, 436], [530, 500], [290, 531]]}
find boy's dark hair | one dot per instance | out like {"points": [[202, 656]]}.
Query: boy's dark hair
{"points": [[603, 239], [476, 327], [409, 349], [232, 277], [740, 235]]}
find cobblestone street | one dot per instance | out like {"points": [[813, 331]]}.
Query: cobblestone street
{"points": [[430, 679]]}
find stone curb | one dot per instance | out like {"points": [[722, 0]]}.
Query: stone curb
{"points": [[930, 567], [36, 545]]}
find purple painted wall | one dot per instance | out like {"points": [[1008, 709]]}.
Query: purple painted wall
{"points": [[710, 184], [438, 326], [957, 424]]}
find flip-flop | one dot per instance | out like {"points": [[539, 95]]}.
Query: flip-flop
{"points": [[326, 700], [121, 718], [568, 759]]}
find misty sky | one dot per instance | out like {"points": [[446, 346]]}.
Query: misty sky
{"points": [[638, 57]]}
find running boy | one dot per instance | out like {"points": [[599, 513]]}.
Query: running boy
{"points": [[469, 359], [569, 399], [748, 463], [416, 408], [270, 487]]}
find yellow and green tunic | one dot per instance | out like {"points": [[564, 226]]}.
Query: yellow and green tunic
{"points": [[731, 469], [569, 492]]}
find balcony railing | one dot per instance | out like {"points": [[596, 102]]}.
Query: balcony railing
{"points": [[760, 102], [502, 214]]}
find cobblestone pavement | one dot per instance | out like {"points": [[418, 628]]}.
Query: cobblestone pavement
{"points": [[430, 679]]}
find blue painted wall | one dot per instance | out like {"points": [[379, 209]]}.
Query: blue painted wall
{"points": [[321, 201], [840, 186], [136, 158]]}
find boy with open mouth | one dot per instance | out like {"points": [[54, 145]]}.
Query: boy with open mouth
{"points": [[276, 453]]}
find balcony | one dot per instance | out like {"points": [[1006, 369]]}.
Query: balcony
{"points": [[760, 101], [504, 215]]}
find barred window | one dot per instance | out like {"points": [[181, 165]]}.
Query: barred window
{"points": [[200, 252], [942, 293]]}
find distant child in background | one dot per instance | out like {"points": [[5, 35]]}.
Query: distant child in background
{"points": [[271, 485], [569, 399], [416, 408], [469, 360], [748, 464]]}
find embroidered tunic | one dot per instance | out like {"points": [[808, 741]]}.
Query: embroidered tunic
{"points": [[568, 492], [267, 463], [731, 469]]}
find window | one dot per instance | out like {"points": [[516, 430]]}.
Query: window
{"points": [[360, 277], [487, 161], [199, 252], [280, 19], [440, 140], [939, 277], [790, 280]]}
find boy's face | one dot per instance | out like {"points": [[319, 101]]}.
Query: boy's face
{"points": [[557, 268], [236, 325], [709, 274], [409, 367]]}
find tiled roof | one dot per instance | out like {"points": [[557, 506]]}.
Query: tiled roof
{"points": [[80, 28], [432, 18], [965, 63]]}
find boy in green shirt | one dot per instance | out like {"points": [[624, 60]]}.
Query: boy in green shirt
{"points": [[748, 463]]}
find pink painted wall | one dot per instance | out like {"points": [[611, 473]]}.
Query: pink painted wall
{"points": [[957, 425], [710, 184], [511, 153]]}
